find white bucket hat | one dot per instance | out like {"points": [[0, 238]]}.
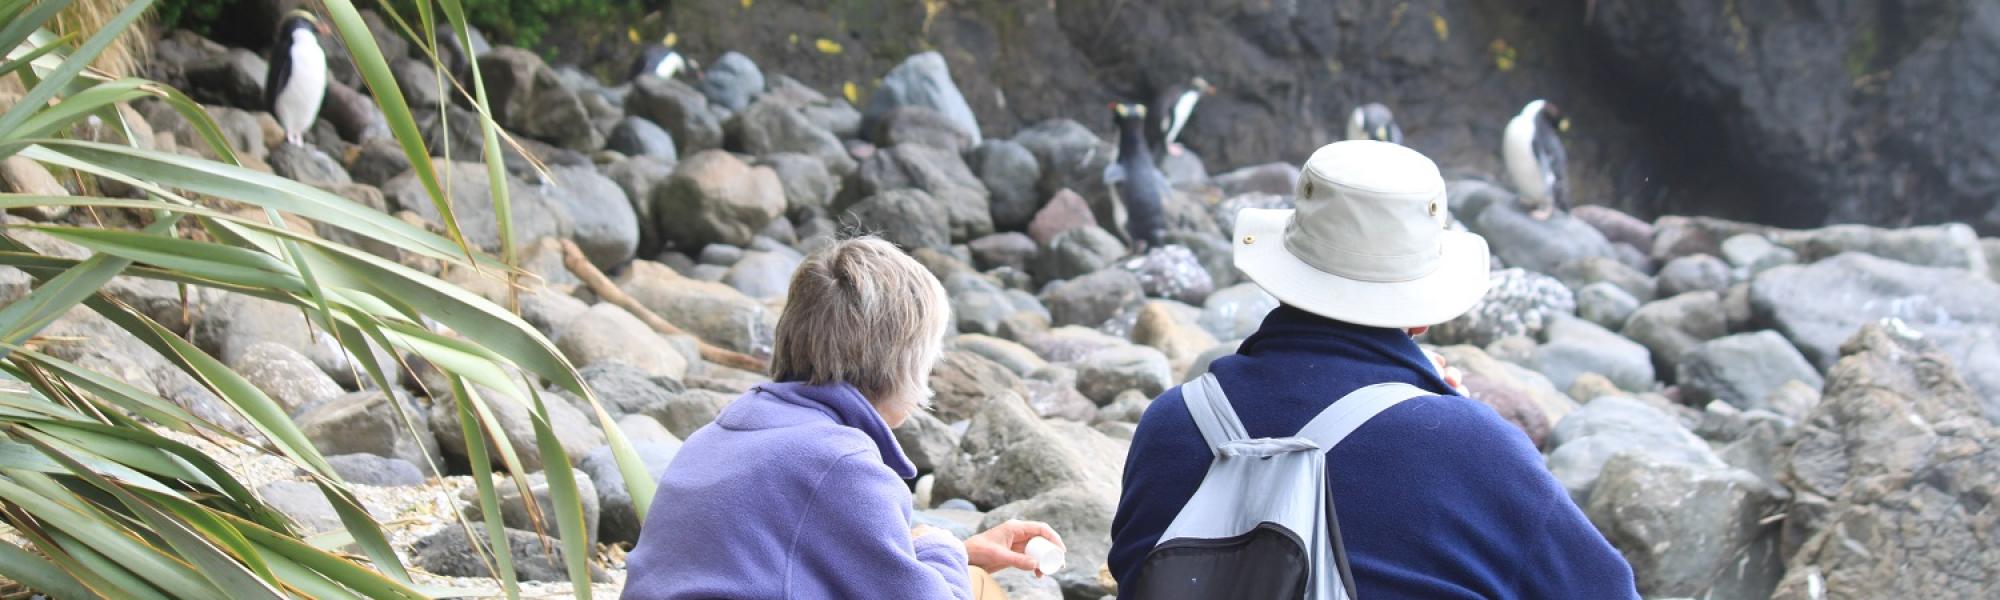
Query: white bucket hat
{"points": [[1367, 244]]}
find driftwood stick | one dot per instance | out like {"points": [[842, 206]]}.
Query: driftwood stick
{"points": [[579, 265]]}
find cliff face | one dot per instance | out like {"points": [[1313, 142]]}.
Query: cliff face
{"points": [[1790, 113]]}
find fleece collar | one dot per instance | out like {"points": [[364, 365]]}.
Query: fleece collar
{"points": [[846, 406]]}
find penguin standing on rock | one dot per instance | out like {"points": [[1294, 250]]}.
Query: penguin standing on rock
{"points": [[1373, 121], [1535, 159], [1172, 111], [1136, 182], [296, 82], [662, 61]]}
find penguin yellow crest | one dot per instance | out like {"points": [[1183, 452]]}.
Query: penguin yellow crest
{"points": [[827, 46]]}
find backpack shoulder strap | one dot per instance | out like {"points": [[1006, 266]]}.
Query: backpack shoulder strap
{"points": [[1351, 411], [1212, 412]]}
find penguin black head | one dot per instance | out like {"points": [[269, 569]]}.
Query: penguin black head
{"points": [[1201, 85], [300, 19], [1373, 121], [1552, 117], [1122, 111]]}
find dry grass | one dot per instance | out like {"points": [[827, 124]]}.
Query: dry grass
{"points": [[85, 17]]}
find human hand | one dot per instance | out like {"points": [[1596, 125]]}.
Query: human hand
{"points": [[1006, 546], [1452, 375]]}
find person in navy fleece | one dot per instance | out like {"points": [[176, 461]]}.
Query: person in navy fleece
{"points": [[797, 489], [1437, 497]]}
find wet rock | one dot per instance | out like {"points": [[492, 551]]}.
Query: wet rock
{"points": [[606, 227], [963, 384], [634, 136], [369, 469], [1890, 476], [1575, 346], [909, 218], [770, 127], [1010, 454], [1608, 426], [368, 423], [1518, 303], [607, 333], [678, 108], [1102, 375], [922, 80], [1693, 273], [1536, 245], [714, 197], [713, 312], [619, 519], [1010, 173], [1675, 325], [1092, 299], [527, 96], [732, 81], [1171, 272], [1743, 370], [1688, 530]]}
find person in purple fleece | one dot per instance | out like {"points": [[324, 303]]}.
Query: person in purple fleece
{"points": [[797, 489]]}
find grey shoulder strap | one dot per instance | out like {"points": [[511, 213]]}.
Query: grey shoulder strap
{"points": [[1351, 411], [1212, 412]]}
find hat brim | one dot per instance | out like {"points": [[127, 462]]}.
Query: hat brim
{"points": [[1444, 294]]}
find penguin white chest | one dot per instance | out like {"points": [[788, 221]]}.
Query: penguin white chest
{"points": [[300, 94], [1183, 108], [1517, 149]]}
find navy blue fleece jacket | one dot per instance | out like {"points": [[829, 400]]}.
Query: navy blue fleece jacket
{"points": [[1437, 497]]}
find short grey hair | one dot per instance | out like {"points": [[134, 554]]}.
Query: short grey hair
{"points": [[862, 312]]}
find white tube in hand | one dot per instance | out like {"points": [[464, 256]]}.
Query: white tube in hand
{"points": [[1048, 557]]}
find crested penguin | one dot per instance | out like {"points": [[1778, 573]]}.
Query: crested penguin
{"points": [[1373, 121], [296, 82], [1535, 159], [1136, 182], [1172, 111], [662, 61]]}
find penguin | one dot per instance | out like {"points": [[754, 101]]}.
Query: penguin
{"points": [[1171, 112], [296, 82], [1535, 159], [662, 61], [1136, 182], [1373, 121]]}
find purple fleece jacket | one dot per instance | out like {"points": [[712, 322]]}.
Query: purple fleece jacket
{"points": [[795, 491]]}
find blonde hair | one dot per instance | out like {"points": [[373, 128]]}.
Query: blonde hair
{"points": [[860, 311]]}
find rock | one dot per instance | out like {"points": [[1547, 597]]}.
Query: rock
{"points": [[1052, 393], [619, 519], [1524, 397], [1092, 299], [1022, 585], [1693, 273], [1015, 357], [379, 161], [1609, 426], [980, 306], [1010, 173], [713, 197], [1597, 269], [963, 384], [921, 80], [1675, 325], [1743, 370], [353, 114], [1070, 343], [1235, 312], [1949, 245], [1010, 454], [286, 376], [21, 175], [625, 389], [1575, 346], [1065, 211], [928, 441], [304, 504], [1540, 246], [1207, 357], [1936, 301], [231, 325], [1083, 515], [762, 274], [1105, 373], [576, 433], [1276, 178], [913, 124], [528, 97], [1518, 303], [909, 218], [417, 79], [713, 312], [938, 172], [606, 227], [678, 108], [1688, 530], [449, 552], [1010, 249], [635, 136], [1755, 253], [641, 428], [1618, 227], [690, 410], [307, 165], [1676, 236], [1174, 330], [1605, 304], [1889, 478], [1081, 253], [732, 81], [1171, 272], [1184, 169], [367, 423], [369, 469], [234, 78], [771, 127], [1073, 158], [809, 186], [535, 216], [607, 334], [1992, 248]]}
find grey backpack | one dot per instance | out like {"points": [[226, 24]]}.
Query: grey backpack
{"points": [[1261, 526]]}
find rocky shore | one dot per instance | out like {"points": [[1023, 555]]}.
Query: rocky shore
{"points": [[1744, 411]]}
